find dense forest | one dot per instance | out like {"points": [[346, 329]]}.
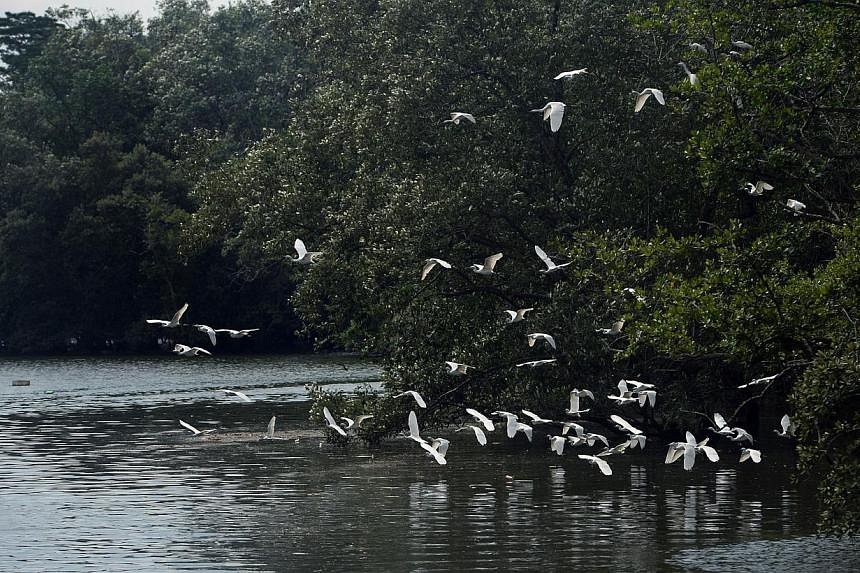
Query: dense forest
{"points": [[149, 164]]}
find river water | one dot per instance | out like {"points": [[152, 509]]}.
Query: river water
{"points": [[96, 475]]}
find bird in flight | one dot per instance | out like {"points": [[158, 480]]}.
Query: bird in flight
{"points": [[458, 116], [173, 322], [550, 266], [642, 97], [553, 111]]}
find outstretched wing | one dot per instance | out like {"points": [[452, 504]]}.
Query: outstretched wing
{"points": [[178, 316], [301, 250]]}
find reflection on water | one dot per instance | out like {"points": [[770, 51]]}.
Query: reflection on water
{"points": [[98, 476]]}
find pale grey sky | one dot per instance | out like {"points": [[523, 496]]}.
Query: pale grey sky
{"points": [[145, 7]]}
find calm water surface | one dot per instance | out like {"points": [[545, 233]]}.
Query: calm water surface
{"points": [[96, 475]]}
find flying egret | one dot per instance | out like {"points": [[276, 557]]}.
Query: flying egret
{"points": [[571, 74], [553, 111], [636, 440], [456, 368], [550, 265], [412, 424], [568, 426], [556, 444], [525, 429], [430, 264], [536, 419], [208, 331], [488, 266], [614, 330], [646, 396], [357, 421], [787, 426], [688, 449], [487, 423], [758, 188], [479, 433], [270, 430], [440, 445], [236, 393], [237, 333], [750, 454], [592, 439], [535, 336], [173, 322], [303, 256], [642, 97], [329, 421], [625, 395], [613, 450], [183, 350], [440, 459], [740, 435], [517, 315], [418, 399], [693, 78], [795, 206], [574, 401], [741, 45], [699, 47], [758, 381], [624, 425], [721, 428], [194, 430], [458, 116], [511, 422], [599, 462], [534, 363]]}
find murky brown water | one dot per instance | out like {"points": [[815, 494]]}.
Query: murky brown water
{"points": [[96, 475]]}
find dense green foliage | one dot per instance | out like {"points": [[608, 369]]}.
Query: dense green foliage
{"points": [[206, 145]]}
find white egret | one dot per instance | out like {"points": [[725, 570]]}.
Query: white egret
{"points": [[574, 401], [458, 116], [568, 426], [795, 206], [550, 265], [741, 45], [487, 423], [488, 266], [236, 393], [525, 429], [440, 445], [456, 368], [699, 47], [787, 426], [534, 363], [173, 322], [357, 421], [553, 111], [194, 430], [740, 435], [613, 450], [592, 439], [599, 462], [647, 395], [208, 331], [556, 444], [693, 78], [270, 430], [571, 74], [758, 381], [517, 315], [440, 459], [536, 419], [614, 330], [535, 336], [183, 350], [758, 188], [511, 419], [750, 454], [430, 264], [636, 440], [624, 425], [237, 333], [415, 395], [632, 292], [479, 433], [721, 428], [642, 97], [625, 395], [303, 256], [329, 421], [412, 423]]}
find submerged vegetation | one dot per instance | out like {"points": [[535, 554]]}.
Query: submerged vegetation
{"points": [[146, 166]]}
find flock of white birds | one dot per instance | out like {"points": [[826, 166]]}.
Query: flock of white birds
{"points": [[630, 392]]}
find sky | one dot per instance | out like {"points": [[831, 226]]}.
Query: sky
{"points": [[145, 7]]}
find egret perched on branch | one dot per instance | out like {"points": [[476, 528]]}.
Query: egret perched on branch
{"points": [[614, 330], [795, 206], [694, 79]]}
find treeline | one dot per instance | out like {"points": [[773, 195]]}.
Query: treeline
{"points": [[205, 145]]}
